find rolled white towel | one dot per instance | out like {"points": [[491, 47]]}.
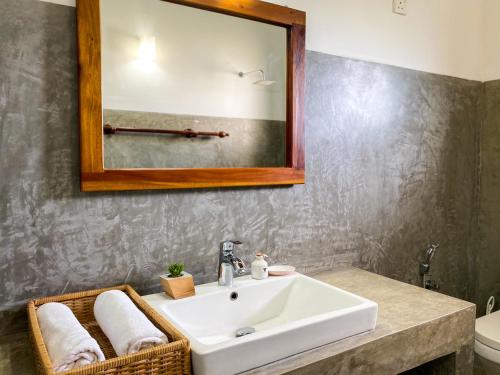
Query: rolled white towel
{"points": [[69, 344], [126, 327]]}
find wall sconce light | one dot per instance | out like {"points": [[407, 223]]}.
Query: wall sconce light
{"points": [[147, 49]]}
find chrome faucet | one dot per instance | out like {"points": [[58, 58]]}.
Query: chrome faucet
{"points": [[229, 264]]}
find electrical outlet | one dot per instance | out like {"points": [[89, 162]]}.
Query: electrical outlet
{"points": [[400, 6]]}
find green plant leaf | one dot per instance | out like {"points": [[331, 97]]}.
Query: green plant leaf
{"points": [[175, 270]]}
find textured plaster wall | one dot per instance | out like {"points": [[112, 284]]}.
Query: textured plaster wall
{"points": [[491, 35], [487, 249], [391, 166], [400, 148], [444, 37]]}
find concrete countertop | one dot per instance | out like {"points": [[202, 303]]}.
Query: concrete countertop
{"points": [[414, 326]]}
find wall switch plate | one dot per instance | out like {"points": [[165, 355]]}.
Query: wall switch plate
{"points": [[400, 6]]}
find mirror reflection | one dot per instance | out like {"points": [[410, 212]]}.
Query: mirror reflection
{"points": [[188, 88]]}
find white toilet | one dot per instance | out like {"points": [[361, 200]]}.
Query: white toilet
{"points": [[487, 345]]}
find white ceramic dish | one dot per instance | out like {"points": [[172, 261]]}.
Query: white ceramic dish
{"points": [[280, 270]]}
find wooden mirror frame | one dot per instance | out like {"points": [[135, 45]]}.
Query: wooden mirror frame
{"points": [[94, 177]]}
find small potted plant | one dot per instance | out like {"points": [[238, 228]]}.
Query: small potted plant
{"points": [[177, 283]]}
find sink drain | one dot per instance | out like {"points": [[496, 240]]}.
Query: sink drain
{"points": [[245, 331]]}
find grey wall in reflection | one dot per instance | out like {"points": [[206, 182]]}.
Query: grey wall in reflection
{"points": [[251, 143]]}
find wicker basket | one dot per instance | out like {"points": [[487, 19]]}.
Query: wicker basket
{"points": [[168, 359]]}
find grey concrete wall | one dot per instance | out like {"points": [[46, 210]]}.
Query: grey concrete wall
{"points": [[251, 143], [403, 147], [391, 166], [487, 249]]}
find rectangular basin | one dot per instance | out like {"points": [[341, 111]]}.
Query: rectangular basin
{"points": [[290, 314]]}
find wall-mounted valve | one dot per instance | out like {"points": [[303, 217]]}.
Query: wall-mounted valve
{"points": [[427, 281]]}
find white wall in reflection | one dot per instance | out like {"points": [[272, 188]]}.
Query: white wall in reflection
{"points": [[194, 64]]}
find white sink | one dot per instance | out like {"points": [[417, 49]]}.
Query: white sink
{"points": [[290, 314]]}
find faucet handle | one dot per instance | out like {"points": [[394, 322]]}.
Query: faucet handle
{"points": [[228, 246], [430, 252]]}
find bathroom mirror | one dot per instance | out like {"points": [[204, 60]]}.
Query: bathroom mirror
{"points": [[161, 73], [186, 94]]}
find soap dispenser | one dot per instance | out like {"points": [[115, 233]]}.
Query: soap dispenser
{"points": [[260, 267]]}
